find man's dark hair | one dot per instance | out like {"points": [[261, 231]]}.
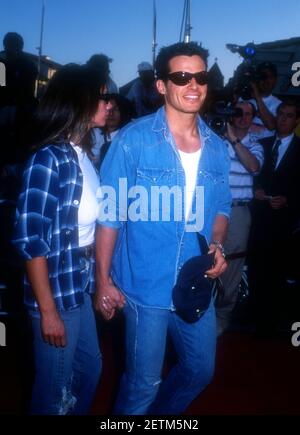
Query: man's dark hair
{"points": [[99, 62], [290, 103], [179, 49]]}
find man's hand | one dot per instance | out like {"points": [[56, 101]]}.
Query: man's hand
{"points": [[108, 298], [277, 202], [230, 134], [268, 119], [220, 264], [260, 194], [53, 329]]}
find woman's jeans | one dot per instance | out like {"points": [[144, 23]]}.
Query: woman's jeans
{"points": [[66, 377], [141, 390]]}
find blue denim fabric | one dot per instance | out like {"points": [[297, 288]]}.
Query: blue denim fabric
{"points": [[148, 253], [66, 377], [146, 332]]}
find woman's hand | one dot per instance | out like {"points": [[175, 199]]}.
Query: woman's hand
{"points": [[108, 299], [53, 329]]}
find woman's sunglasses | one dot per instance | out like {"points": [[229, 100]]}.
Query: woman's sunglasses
{"points": [[182, 78]]}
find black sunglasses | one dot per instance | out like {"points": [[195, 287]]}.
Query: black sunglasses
{"points": [[182, 78], [105, 97]]}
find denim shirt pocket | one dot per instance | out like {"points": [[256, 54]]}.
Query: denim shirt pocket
{"points": [[155, 177], [212, 182], [212, 178], [159, 184]]}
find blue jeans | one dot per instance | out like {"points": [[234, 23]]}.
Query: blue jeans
{"points": [[141, 389], [66, 377]]}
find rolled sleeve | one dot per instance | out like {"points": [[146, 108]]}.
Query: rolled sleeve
{"points": [[224, 194], [37, 205], [258, 152]]}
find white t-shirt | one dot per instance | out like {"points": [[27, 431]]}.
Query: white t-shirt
{"points": [[271, 103], [190, 163], [87, 212], [258, 129]]}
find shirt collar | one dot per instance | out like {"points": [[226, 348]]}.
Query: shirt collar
{"points": [[285, 140], [160, 123]]}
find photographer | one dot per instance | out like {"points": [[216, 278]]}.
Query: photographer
{"points": [[265, 103], [246, 157]]}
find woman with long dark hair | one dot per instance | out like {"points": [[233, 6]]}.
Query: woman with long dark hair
{"points": [[54, 233]]}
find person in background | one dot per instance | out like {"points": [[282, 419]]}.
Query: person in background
{"points": [[54, 234], [121, 112], [247, 157], [264, 101], [100, 63], [21, 72], [143, 93], [276, 216], [17, 102]]}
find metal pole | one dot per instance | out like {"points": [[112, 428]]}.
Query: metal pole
{"points": [[40, 48], [154, 44], [182, 22], [187, 32]]}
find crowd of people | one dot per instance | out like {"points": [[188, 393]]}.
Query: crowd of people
{"points": [[94, 238]]}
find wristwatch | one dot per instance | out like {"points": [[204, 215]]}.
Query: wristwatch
{"points": [[219, 245]]}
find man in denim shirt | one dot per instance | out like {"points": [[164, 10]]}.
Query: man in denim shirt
{"points": [[143, 242]]}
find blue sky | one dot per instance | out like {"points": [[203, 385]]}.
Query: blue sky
{"points": [[76, 29]]}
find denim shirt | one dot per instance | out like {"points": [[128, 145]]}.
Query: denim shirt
{"points": [[47, 223], [149, 252]]}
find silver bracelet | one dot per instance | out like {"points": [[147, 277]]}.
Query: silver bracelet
{"points": [[219, 245]]}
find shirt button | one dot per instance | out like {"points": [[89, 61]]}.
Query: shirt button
{"points": [[68, 232], [75, 202]]}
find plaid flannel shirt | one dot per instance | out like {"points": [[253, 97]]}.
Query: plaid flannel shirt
{"points": [[47, 222]]}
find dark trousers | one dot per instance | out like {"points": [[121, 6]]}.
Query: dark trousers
{"points": [[268, 267]]}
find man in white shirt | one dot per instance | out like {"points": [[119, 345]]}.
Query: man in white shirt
{"points": [[246, 157], [143, 93], [265, 103]]}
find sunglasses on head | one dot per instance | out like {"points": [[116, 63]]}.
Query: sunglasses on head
{"points": [[105, 97], [182, 78]]}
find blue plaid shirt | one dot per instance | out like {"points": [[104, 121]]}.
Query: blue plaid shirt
{"points": [[47, 222]]}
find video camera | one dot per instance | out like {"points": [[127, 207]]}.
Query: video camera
{"points": [[246, 72], [221, 114]]}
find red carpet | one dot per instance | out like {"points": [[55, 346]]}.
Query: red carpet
{"points": [[252, 377]]}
